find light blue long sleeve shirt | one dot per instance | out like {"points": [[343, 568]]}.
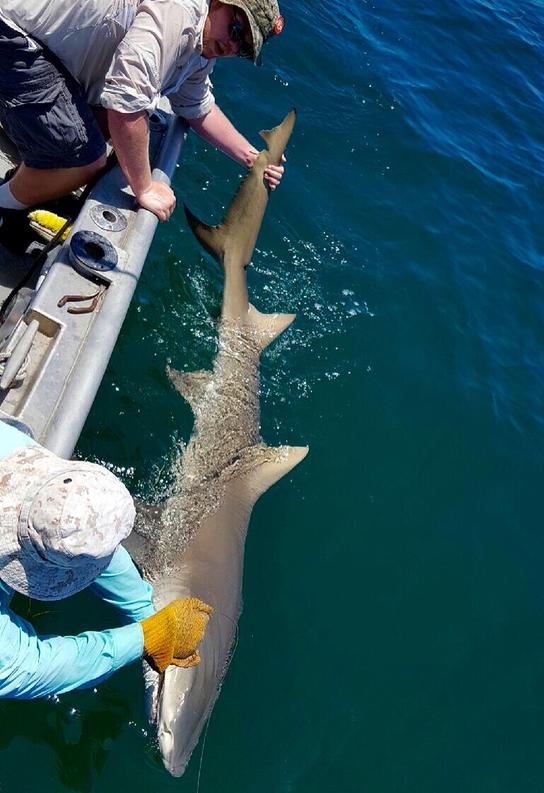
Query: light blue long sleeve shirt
{"points": [[34, 666]]}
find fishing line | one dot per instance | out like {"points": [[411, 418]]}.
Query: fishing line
{"points": [[202, 753], [208, 720]]}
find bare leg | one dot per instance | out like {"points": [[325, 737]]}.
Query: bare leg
{"points": [[36, 185]]}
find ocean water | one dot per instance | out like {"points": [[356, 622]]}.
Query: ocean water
{"points": [[392, 638]]}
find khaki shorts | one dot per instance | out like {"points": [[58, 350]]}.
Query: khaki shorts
{"points": [[42, 107]]}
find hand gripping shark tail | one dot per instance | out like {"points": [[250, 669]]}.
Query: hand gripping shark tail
{"points": [[217, 240], [198, 538], [232, 242]]}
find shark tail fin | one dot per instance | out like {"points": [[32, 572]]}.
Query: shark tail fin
{"points": [[276, 139], [285, 458], [212, 238], [191, 385], [268, 327]]}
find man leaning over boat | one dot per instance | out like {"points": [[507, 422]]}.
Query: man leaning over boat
{"points": [[61, 524], [73, 74]]}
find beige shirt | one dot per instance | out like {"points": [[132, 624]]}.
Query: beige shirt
{"points": [[125, 54]]}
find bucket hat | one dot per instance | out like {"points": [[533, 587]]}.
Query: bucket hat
{"points": [[60, 522], [264, 20]]}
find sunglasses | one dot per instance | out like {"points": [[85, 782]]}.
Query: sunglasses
{"points": [[237, 32]]}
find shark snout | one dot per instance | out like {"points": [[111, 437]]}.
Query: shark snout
{"points": [[187, 696], [175, 765], [180, 714]]}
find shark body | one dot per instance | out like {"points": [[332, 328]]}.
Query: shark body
{"points": [[196, 541]]}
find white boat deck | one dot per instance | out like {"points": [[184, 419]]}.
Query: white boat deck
{"points": [[66, 352]]}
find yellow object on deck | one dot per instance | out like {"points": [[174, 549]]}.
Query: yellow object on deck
{"points": [[47, 224]]}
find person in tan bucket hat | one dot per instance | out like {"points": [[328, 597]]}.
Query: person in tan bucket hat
{"points": [[100, 68], [61, 525]]}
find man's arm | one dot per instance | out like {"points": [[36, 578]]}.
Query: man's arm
{"points": [[216, 128], [139, 68], [31, 666], [122, 586], [130, 138]]}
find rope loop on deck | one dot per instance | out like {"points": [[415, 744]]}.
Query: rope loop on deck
{"points": [[19, 378]]}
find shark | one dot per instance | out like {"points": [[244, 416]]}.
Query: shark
{"points": [[193, 544]]}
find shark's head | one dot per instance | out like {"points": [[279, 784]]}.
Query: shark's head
{"points": [[186, 696], [181, 712]]}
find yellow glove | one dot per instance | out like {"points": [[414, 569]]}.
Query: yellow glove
{"points": [[172, 634]]}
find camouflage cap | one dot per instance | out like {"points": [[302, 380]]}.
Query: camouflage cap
{"points": [[264, 20], [60, 522]]}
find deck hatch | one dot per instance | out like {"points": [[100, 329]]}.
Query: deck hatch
{"points": [[91, 253]]}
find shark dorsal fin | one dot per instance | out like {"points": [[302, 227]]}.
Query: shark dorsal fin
{"points": [[212, 238], [268, 327], [282, 459], [191, 385]]}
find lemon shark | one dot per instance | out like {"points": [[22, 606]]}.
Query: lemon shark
{"points": [[194, 544]]}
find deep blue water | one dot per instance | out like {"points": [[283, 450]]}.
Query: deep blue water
{"points": [[392, 639]]}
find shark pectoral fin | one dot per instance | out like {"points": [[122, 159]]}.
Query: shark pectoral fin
{"points": [[148, 516], [191, 385], [212, 238], [271, 471], [268, 326]]}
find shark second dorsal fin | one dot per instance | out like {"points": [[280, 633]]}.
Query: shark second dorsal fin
{"points": [[212, 238], [191, 385], [284, 459], [268, 326]]}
